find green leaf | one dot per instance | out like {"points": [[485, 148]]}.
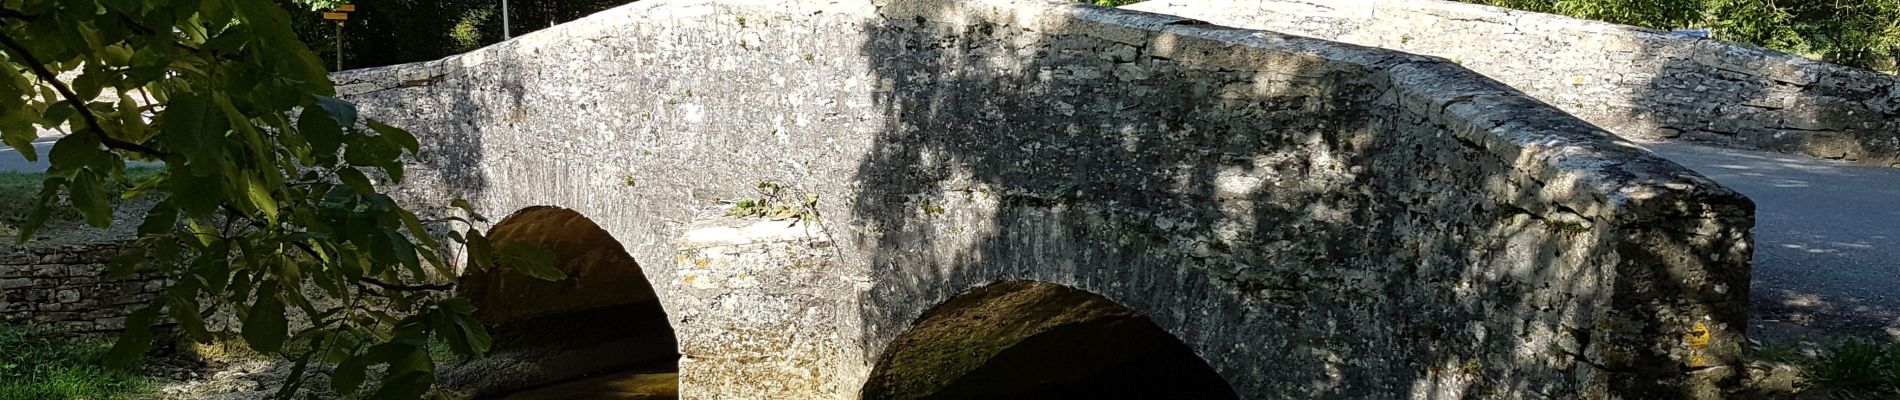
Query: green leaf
{"points": [[137, 338], [349, 374], [184, 310], [476, 333], [163, 217], [265, 325], [405, 253], [532, 260], [481, 252], [260, 197], [189, 126], [42, 209], [342, 113], [89, 201], [470, 209], [197, 196], [322, 131], [355, 179], [72, 152], [400, 137]]}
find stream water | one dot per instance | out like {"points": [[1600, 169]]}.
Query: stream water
{"points": [[632, 384]]}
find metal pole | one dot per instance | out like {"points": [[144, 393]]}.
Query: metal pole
{"points": [[339, 45], [504, 20]]}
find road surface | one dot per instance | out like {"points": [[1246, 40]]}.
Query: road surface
{"points": [[1827, 240], [13, 161]]}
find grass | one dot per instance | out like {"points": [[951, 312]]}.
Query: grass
{"points": [[1851, 367], [1857, 365], [19, 189], [37, 364]]}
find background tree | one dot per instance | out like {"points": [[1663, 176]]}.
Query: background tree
{"points": [[1861, 33], [267, 205], [385, 32]]}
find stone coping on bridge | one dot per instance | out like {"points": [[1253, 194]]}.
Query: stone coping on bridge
{"points": [[1640, 83], [1310, 218]]}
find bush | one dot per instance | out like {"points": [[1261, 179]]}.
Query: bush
{"points": [[1860, 33]]}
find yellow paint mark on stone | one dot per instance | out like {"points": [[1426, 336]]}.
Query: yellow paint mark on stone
{"points": [[689, 279], [1698, 336], [1577, 80], [702, 263]]}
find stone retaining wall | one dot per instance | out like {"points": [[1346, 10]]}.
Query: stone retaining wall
{"points": [[65, 287], [1639, 83]]}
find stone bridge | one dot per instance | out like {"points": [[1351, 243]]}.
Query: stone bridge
{"points": [[1031, 199]]}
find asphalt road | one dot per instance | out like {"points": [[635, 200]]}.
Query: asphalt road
{"points": [[1827, 240], [12, 161]]}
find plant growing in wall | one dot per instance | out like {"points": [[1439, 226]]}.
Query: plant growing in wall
{"points": [[268, 210]]}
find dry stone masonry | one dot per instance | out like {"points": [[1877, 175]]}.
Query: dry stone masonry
{"points": [[1639, 83], [66, 288], [1310, 218]]}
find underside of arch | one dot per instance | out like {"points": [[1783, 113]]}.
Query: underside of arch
{"points": [[599, 271], [549, 336], [1033, 340]]}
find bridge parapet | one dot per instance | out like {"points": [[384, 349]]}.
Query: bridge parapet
{"points": [[1639, 83], [1309, 218]]}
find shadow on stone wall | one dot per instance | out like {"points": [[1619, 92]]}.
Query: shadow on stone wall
{"points": [[1736, 96], [1306, 227]]}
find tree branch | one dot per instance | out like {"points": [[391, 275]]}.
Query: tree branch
{"points": [[385, 285], [39, 69], [408, 288]]}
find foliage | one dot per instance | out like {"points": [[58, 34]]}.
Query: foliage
{"points": [[467, 33], [1653, 13], [1851, 368], [1862, 33], [37, 365], [267, 210], [777, 203], [24, 188], [1858, 365], [392, 32]]}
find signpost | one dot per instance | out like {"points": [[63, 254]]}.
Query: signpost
{"points": [[342, 13]]}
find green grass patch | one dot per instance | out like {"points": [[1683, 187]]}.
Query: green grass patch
{"points": [[1851, 367], [38, 364], [1856, 365], [20, 190]]}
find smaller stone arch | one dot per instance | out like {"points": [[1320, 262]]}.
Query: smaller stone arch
{"points": [[599, 270], [1035, 340], [600, 328]]}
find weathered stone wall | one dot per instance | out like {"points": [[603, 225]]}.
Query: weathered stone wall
{"points": [[1313, 219], [1639, 83], [66, 288]]}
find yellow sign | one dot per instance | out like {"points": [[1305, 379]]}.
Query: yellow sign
{"points": [[346, 7], [337, 16]]}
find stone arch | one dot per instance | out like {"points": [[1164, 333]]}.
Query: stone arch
{"points": [[1035, 340], [603, 318]]}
